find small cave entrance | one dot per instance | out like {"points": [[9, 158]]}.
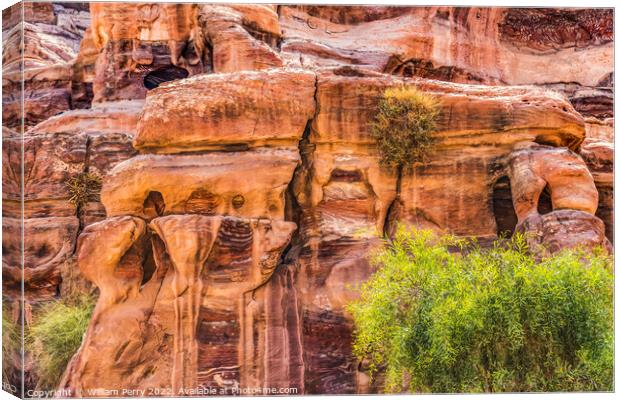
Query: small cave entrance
{"points": [[545, 205], [156, 254], [137, 262], [165, 74], [148, 265], [154, 205], [503, 210]]}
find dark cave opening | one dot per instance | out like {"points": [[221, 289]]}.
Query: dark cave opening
{"points": [[154, 205], [544, 201], [148, 263], [503, 210], [165, 74]]}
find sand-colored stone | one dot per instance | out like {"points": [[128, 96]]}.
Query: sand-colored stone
{"points": [[117, 277], [104, 133], [48, 90], [188, 322], [566, 175], [243, 37], [136, 39], [348, 97], [83, 72], [221, 111], [448, 43], [102, 118], [598, 155], [564, 229], [243, 184], [49, 244], [51, 35], [49, 162], [478, 127]]}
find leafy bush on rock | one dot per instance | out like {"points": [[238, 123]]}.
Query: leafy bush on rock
{"points": [[404, 125], [433, 319]]}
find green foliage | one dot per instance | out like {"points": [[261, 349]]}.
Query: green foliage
{"points": [[84, 187], [486, 320], [11, 344], [55, 335], [404, 126]]}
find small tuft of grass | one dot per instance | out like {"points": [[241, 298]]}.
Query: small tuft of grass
{"points": [[83, 188], [404, 126], [55, 335]]}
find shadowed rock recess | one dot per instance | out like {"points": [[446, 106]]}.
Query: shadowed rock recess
{"points": [[242, 190]]}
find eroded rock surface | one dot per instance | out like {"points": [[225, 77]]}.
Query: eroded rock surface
{"points": [[242, 37], [562, 172], [338, 196], [216, 112], [51, 35], [49, 244], [136, 41], [202, 184], [183, 291], [464, 44], [564, 178], [564, 229], [598, 154]]}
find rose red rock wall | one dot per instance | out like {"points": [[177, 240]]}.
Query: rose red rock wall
{"points": [[242, 190]]}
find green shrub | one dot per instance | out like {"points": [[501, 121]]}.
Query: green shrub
{"points": [[486, 320], [55, 335], [84, 187], [404, 126]]}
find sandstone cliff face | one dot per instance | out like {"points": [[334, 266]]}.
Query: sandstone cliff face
{"points": [[242, 190], [476, 45], [51, 36]]}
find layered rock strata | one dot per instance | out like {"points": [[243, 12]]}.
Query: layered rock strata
{"points": [[201, 270], [309, 166], [51, 34]]}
